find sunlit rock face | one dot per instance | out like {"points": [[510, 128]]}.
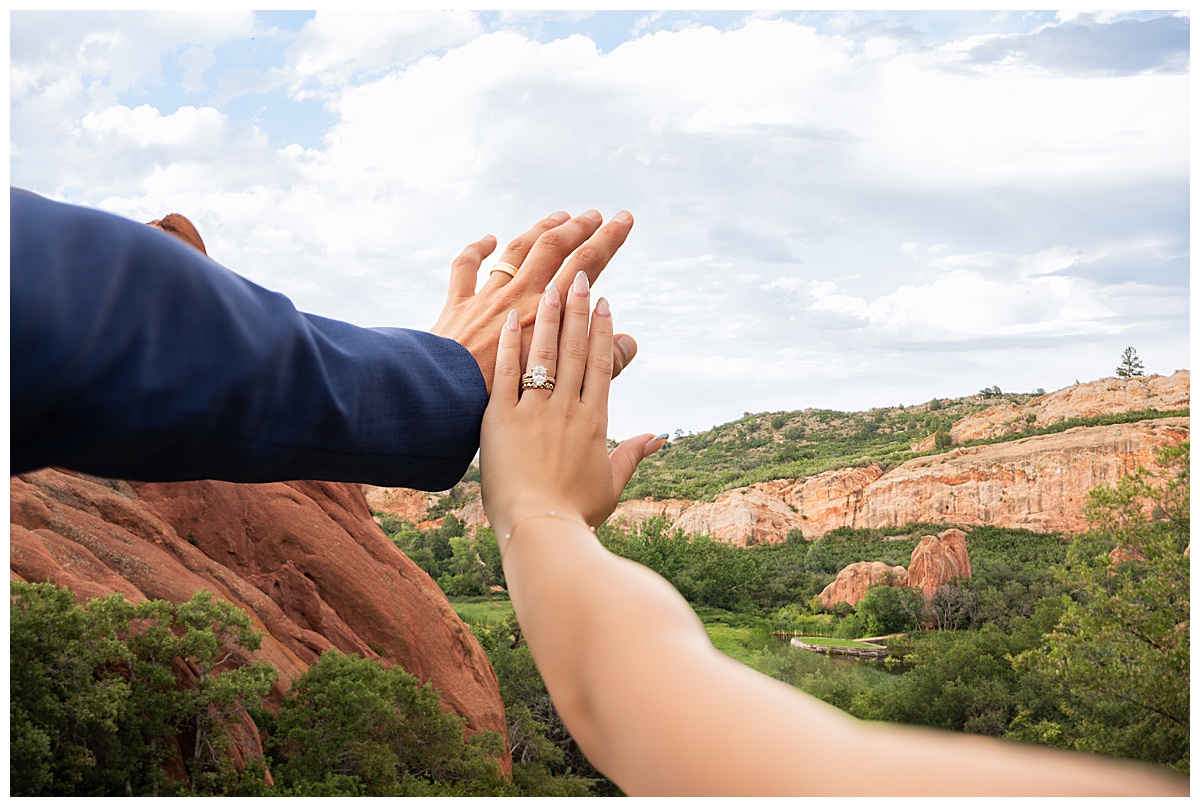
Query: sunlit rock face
{"points": [[937, 560], [1036, 483], [743, 517], [853, 581]]}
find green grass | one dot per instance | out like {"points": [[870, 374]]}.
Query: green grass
{"points": [[733, 642], [474, 611]]}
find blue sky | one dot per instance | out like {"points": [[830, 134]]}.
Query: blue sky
{"points": [[835, 209]]}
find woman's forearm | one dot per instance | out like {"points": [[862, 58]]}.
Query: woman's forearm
{"points": [[660, 711]]}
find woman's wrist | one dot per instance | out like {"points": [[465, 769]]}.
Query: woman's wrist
{"points": [[536, 509]]}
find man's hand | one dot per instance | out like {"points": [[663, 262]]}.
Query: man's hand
{"points": [[474, 319]]}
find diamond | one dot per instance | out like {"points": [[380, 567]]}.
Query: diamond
{"points": [[539, 375]]}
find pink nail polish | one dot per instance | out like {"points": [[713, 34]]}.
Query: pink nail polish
{"points": [[580, 286], [602, 309], [623, 217], [559, 217], [514, 321], [552, 296]]}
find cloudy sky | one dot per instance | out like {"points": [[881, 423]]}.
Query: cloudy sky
{"points": [[839, 210]]}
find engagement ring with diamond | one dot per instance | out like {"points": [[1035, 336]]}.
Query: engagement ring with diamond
{"points": [[537, 378]]}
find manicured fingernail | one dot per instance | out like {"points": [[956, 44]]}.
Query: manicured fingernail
{"points": [[552, 297], [624, 217], [591, 215], [654, 445], [602, 309], [514, 321], [580, 286], [559, 217], [662, 436]]}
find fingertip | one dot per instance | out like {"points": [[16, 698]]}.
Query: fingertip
{"points": [[513, 323], [654, 444], [627, 344]]}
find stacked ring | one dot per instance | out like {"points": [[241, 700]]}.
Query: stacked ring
{"points": [[506, 268], [537, 378]]}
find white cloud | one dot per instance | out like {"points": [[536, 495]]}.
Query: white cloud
{"points": [[334, 45]]}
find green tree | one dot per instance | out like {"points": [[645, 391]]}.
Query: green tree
{"points": [[1130, 365], [1121, 652], [60, 714], [886, 609], [95, 701], [216, 636], [819, 560], [350, 726]]}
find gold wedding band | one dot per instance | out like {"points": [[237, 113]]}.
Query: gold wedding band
{"points": [[506, 268]]}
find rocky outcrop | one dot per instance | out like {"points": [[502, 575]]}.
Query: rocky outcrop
{"points": [[743, 517], [632, 512], [853, 581], [409, 505], [937, 560], [1036, 483], [822, 501], [1107, 396], [304, 559]]}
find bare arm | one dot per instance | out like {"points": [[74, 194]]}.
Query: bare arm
{"points": [[629, 666]]}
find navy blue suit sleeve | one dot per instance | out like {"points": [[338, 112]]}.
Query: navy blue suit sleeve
{"points": [[135, 356]]}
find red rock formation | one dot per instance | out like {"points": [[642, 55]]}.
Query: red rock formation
{"points": [[304, 559], [407, 504], [181, 228], [744, 517], [632, 512], [825, 499], [937, 560], [1037, 483], [853, 581]]}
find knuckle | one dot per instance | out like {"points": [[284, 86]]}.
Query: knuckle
{"points": [[508, 371], [601, 363], [554, 241], [544, 354], [574, 348], [588, 257], [469, 255], [519, 244]]}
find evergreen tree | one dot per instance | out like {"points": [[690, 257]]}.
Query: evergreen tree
{"points": [[1130, 365]]}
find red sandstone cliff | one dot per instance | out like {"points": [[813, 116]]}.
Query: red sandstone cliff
{"points": [[304, 559], [1037, 483]]}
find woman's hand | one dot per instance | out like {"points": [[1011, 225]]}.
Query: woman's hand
{"points": [[545, 450]]}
